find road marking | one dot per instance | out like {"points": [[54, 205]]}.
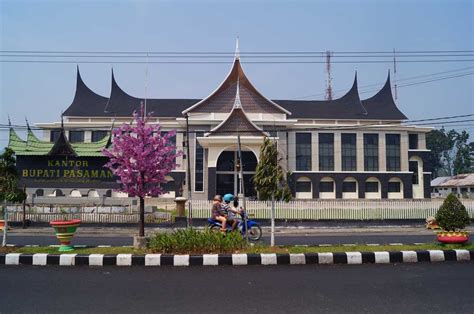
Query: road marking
{"points": [[395, 244], [40, 259], [239, 259], [67, 259], [297, 259], [354, 257], [153, 260], [210, 259], [409, 257], [436, 255], [326, 258], [268, 259], [181, 260], [382, 257], [124, 259], [373, 244]]}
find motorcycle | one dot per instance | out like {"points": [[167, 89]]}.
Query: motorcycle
{"points": [[254, 229]]}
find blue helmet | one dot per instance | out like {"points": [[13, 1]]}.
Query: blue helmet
{"points": [[228, 198]]}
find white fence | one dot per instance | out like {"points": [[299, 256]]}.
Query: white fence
{"points": [[297, 210], [91, 217], [339, 209]]}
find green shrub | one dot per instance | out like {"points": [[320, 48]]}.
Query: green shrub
{"points": [[192, 241], [452, 215]]}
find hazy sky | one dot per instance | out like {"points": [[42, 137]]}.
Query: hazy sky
{"points": [[42, 91]]}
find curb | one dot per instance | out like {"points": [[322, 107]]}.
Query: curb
{"points": [[350, 258]]}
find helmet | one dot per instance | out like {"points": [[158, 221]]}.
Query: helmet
{"points": [[228, 198]]}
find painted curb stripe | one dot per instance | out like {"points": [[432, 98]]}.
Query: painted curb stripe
{"points": [[368, 257], [43, 259]]}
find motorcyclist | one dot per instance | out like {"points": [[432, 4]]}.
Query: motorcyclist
{"points": [[217, 212], [230, 210]]}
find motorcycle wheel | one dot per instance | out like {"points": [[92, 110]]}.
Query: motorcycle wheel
{"points": [[215, 228], [255, 233]]}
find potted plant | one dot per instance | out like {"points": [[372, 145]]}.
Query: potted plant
{"points": [[65, 229], [452, 217]]}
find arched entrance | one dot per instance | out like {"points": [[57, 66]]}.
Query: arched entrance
{"points": [[227, 174]]}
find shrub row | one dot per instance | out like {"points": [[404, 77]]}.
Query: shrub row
{"points": [[192, 241]]}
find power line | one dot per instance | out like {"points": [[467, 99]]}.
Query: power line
{"points": [[381, 84], [232, 53], [225, 56], [230, 62]]}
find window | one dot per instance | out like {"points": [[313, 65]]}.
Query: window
{"points": [[199, 165], [171, 140], [413, 141], [371, 152], [54, 135], [349, 186], [393, 187], [98, 135], [326, 151], [76, 136], [392, 144], [303, 151], [39, 192], [326, 186], [413, 167], [349, 152], [371, 187], [303, 186]]}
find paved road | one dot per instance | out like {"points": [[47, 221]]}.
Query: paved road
{"points": [[281, 239], [403, 288]]}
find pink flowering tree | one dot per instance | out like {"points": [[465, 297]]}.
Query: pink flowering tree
{"points": [[141, 156]]}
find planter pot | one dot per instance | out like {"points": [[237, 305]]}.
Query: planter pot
{"points": [[453, 237], [65, 230], [2, 224]]}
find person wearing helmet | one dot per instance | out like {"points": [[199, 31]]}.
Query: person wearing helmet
{"points": [[230, 211]]}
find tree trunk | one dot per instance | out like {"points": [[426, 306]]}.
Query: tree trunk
{"points": [[272, 237], [141, 227]]}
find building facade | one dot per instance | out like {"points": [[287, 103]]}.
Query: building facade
{"points": [[346, 148]]}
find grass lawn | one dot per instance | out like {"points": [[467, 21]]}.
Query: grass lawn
{"points": [[253, 249]]}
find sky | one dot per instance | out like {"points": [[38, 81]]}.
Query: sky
{"points": [[41, 91]]}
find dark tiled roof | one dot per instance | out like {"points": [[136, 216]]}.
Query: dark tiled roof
{"points": [[222, 99], [381, 106], [236, 123]]}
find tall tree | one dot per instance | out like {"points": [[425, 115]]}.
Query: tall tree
{"points": [[450, 152], [462, 159], [9, 190], [270, 179], [141, 156]]}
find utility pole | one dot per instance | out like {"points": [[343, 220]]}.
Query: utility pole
{"points": [[329, 76], [188, 172], [242, 186]]}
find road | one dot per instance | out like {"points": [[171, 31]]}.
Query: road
{"points": [[399, 288], [281, 239]]}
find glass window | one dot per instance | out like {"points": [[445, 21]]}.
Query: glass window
{"points": [[199, 165], [392, 144], [371, 187], [303, 151], [349, 186], [171, 140], [225, 162], [303, 186], [76, 136], [413, 141], [98, 135], [326, 151], [394, 187], [371, 152], [326, 186], [413, 167], [54, 135], [349, 152]]}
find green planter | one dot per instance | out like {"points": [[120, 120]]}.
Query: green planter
{"points": [[65, 230]]}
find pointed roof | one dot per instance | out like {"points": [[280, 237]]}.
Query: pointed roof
{"points": [[383, 104], [237, 122], [221, 100], [36, 147], [84, 99]]}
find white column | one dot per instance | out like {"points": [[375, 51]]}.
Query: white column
{"points": [[179, 147], [382, 152], [404, 151], [87, 136], [337, 151], [292, 150], [314, 151], [360, 151]]}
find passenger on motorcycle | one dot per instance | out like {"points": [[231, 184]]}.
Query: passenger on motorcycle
{"points": [[217, 212], [231, 211]]}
